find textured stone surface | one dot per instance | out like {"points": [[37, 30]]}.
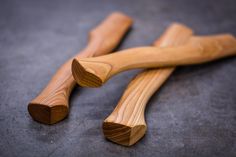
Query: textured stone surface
{"points": [[194, 114]]}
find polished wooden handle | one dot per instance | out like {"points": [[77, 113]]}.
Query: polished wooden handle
{"points": [[51, 105], [93, 72], [126, 124]]}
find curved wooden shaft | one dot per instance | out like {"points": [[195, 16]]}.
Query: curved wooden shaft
{"points": [[51, 105], [93, 72], [128, 116]]}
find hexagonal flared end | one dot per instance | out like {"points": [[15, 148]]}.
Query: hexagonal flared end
{"points": [[46, 114], [83, 77], [122, 134]]}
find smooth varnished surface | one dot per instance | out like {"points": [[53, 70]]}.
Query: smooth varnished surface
{"points": [[52, 104], [93, 72], [130, 109], [192, 115]]}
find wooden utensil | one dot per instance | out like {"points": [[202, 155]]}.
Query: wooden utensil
{"points": [[126, 124], [93, 72], [51, 105]]}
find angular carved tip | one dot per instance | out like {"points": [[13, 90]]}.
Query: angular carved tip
{"points": [[122, 134], [46, 114], [83, 77], [89, 74]]}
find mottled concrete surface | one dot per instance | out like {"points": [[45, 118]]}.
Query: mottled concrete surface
{"points": [[194, 114]]}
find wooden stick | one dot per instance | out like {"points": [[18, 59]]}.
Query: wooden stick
{"points": [[126, 124], [51, 105], [93, 72]]}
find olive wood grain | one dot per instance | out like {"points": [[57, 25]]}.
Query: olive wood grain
{"points": [[94, 72], [52, 105], [126, 124]]}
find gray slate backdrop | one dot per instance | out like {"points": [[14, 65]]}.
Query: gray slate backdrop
{"points": [[194, 114]]}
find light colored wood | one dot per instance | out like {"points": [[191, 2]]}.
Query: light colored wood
{"points": [[51, 105], [126, 124], [93, 72]]}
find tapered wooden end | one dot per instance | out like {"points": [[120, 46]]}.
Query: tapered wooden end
{"points": [[47, 114], [122, 134], [86, 77]]}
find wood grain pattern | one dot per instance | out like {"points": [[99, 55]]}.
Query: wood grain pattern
{"points": [[51, 105], [93, 72], [126, 124]]}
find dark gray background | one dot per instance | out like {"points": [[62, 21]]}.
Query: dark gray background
{"points": [[194, 114]]}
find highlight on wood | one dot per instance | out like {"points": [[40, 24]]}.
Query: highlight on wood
{"points": [[93, 66]]}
